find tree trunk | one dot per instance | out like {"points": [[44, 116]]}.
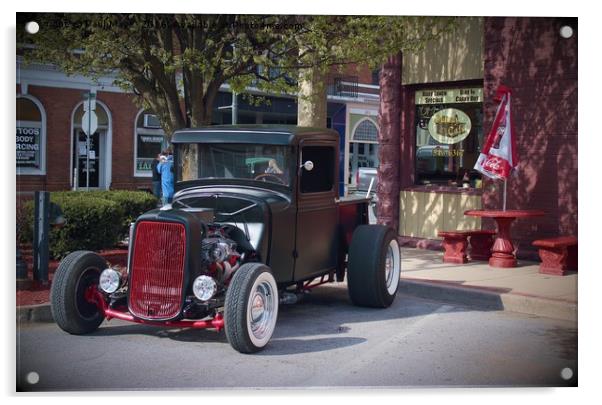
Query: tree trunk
{"points": [[389, 135], [312, 103]]}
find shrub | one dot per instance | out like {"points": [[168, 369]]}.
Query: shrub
{"points": [[91, 224], [133, 203], [94, 220]]}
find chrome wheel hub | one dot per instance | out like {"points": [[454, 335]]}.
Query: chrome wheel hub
{"points": [[389, 266], [263, 310], [258, 307], [392, 267]]}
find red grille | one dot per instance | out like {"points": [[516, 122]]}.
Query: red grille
{"points": [[157, 270]]}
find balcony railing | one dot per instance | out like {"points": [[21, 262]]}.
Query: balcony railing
{"points": [[343, 86]]}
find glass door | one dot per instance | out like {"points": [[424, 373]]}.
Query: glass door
{"points": [[80, 169]]}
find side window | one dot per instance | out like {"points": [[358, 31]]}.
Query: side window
{"points": [[321, 178]]}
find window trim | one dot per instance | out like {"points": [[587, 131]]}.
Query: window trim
{"points": [[108, 159], [41, 171]]}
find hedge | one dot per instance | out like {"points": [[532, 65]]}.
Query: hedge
{"points": [[95, 220], [133, 204]]}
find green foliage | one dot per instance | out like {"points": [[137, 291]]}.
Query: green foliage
{"points": [[132, 203], [175, 64], [94, 220], [91, 224]]}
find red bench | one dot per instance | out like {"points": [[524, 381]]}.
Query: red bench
{"points": [[456, 242], [481, 242], [558, 255]]}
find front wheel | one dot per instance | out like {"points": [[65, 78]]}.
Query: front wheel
{"points": [[73, 280], [374, 266], [251, 308]]}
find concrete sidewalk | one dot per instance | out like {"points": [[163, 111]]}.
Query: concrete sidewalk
{"points": [[520, 289]]}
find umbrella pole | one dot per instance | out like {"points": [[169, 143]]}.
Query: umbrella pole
{"points": [[505, 190]]}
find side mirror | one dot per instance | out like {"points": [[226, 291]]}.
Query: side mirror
{"points": [[309, 165]]}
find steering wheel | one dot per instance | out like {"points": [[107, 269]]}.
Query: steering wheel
{"points": [[266, 175]]}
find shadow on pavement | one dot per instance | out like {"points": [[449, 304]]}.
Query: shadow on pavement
{"points": [[304, 327]]}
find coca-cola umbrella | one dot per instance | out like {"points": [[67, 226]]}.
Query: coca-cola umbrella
{"points": [[498, 157]]}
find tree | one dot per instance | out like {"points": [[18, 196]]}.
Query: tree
{"points": [[332, 42], [175, 64]]}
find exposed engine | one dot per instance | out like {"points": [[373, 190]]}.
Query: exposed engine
{"points": [[219, 254]]}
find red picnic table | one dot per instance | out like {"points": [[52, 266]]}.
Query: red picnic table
{"points": [[502, 252]]}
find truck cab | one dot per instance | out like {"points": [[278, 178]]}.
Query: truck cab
{"points": [[288, 173]]}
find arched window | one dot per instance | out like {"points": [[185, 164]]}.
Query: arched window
{"points": [[366, 131], [149, 140], [31, 136]]}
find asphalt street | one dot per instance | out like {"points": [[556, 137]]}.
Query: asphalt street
{"points": [[323, 341]]}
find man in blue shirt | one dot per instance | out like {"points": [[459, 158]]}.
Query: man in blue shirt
{"points": [[165, 169]]}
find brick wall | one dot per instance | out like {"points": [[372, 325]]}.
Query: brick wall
{"points": [[59, 104], [529, 56]]}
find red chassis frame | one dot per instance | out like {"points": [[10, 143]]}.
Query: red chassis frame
{"points": [[94, 296]]}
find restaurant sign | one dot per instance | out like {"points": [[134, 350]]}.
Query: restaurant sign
{"points": [[449, 96], [449, 126], [28, 146]]}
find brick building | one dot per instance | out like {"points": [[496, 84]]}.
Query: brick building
{"points": [[51, 153], [425, 186]]}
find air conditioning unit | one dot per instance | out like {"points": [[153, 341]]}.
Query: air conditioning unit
{"points": [[151, 121]]}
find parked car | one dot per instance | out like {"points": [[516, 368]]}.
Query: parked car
{"points": [[255, 222], [366, 181]]}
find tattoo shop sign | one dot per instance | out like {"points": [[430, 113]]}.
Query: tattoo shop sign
{"points": [[28, 146]]}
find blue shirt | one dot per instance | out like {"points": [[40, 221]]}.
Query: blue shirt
{"points": [[165, 170]]}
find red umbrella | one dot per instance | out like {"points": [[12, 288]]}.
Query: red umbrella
{"points": [[498, 157]]}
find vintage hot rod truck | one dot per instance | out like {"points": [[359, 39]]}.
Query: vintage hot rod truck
{"points": [[255, 221]]}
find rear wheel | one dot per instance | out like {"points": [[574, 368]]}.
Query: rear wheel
{"points": [[251, 308], [73, 280], [374, 266]]}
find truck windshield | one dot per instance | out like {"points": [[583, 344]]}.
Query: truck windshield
{"points": [[266, 163]]}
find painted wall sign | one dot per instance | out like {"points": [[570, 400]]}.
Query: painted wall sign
{"points": [[28, 146], [144, 164], [449, 96], [449, 126]]}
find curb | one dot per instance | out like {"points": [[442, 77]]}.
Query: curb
{"points": [[34, 313], [490, 299]]}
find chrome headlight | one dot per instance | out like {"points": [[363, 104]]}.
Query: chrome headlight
{"points": [[110, 280], [204, 287]]}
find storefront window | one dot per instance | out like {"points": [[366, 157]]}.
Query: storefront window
{"points": [[150, 140], [30, 137], [449, 135]]}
